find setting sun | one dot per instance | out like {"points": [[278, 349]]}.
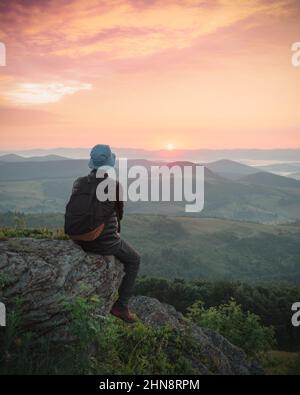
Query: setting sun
{"points": [[170, 147]]}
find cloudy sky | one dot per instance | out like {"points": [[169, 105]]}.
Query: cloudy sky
{"points": [[148, 73]]}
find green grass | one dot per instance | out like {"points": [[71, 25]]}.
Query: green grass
{"points": [[58, 234]]}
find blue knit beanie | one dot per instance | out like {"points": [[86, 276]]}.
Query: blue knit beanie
{"points": [[101, 155]]}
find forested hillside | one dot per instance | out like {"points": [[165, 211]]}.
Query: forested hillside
{"points": [[200, 248], [272, 303]]}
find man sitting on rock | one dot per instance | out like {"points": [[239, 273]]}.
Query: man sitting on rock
{"points": [[95, 226]]}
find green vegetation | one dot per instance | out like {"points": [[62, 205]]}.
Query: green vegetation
{"points": [[35, 196], [237, 278], [58, 234], [271, 303], [102, 346], [241, 329], [191, 248], [282, 363], [215, 249]]}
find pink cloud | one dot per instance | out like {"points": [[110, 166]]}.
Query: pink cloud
{"points": [[163, 66]]}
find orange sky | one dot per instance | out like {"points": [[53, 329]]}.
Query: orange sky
{"points": [[147, 73]]}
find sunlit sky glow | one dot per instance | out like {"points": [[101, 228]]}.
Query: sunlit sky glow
{"points": [[150, 73], [29, 93]]}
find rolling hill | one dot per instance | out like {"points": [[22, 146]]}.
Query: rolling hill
{"points": [[215, 249], [36, 187], [230, 169], [12, 158], [272, 180], [25, 171]]}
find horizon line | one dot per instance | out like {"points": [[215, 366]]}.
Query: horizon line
{"points": [[149, 150]]}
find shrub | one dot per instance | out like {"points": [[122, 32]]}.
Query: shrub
{"points": [[242, 329]]}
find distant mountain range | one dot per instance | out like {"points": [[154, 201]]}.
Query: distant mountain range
{"points": [[195, 155], [17, 168], [280, 162], [232, 190], [11, 158]]}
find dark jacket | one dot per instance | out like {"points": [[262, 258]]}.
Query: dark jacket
{"points": [[113, 213]]}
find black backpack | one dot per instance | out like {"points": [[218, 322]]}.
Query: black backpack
{"points": [[84, 212]]}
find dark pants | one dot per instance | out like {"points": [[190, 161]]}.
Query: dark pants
{"points": [[128, 256]]}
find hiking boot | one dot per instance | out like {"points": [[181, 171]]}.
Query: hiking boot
{"points": [[123, 313]]}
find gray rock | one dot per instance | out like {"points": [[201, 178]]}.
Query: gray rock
{"points": [[216, 354], [46, 274]]}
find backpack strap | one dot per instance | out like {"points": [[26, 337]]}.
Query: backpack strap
{"points": [[89, 236]]}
